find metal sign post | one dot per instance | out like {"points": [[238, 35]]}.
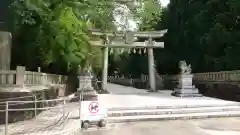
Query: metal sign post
{"points": [[6, 118], [80, 106]]}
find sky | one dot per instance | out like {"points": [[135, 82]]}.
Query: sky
{"points": [[133, 25], [164, 2]]}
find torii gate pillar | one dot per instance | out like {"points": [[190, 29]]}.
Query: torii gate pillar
{"points": [[151, 69], [105, 68]]}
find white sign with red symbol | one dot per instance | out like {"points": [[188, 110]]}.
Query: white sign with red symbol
{"points": [[93, 107], [92, 111]]}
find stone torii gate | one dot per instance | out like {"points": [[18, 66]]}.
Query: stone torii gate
{"points": [[128, 40]]}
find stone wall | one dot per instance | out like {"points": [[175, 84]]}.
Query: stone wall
{"points": [[46, 94], [223, 90]]}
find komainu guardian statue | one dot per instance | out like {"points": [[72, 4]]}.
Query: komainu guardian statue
{"points": [[185, 69]]}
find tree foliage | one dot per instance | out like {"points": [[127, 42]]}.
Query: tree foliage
{"points": [[55, 32], [205, 33]]}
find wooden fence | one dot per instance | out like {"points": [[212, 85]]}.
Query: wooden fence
{"points": [[22, 77]]}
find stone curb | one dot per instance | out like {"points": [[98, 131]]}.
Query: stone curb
{"points": [[172, 117], [169, 107], [172, 111]]}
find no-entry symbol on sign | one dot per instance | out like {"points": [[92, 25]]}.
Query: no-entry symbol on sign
{"points": [[93, 107]]}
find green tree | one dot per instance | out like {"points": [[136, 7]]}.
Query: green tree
{"points": [[203, 32], [58, 30]]}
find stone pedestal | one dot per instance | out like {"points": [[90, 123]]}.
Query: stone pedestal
{"points": [[85, 91], [85, 82], [186, 88]]}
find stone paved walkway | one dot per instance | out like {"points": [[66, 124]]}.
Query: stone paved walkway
{"points": [[122, 96], [50, 122], [220, 126]]}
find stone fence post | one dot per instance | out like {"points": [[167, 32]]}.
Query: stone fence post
{"points": [[5, 50], [39, 69], [20, 72]]}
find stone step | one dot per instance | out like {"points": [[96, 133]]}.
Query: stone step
{"points": [[153, 107], [174, 116], [186, 94], [171, 111]]}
